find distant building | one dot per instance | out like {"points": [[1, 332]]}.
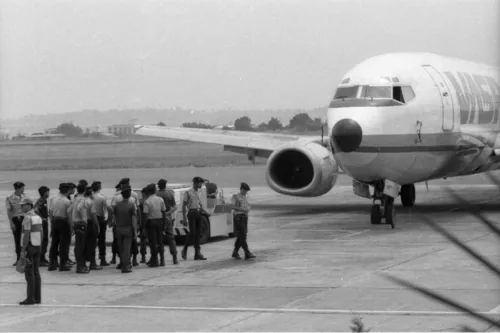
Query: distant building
{"points": [[50, 131], [121, 130]]}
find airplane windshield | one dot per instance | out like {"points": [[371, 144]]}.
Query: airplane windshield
{"points": [[359, 93]]}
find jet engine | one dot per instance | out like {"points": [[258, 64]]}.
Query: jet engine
{"points": [[301, 169]]}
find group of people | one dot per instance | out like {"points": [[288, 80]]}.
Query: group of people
{"points": [[87, 214]]}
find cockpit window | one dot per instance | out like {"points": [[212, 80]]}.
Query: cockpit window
{"points": [[377, 92], [408, 93], [346, 92]]}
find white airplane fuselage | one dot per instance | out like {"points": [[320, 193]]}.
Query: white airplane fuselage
{"points": [[445, 124]]}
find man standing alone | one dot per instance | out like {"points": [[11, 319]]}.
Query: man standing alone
{"points": [[242, 207]]}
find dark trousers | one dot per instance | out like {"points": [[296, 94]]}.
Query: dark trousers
{"points": [[114, 246], [61, 240], [241, 230], [124, 241], [193, 238], [18, 223], [144, 240], [134, 246], [45, 239], [80, 242], [91, 242], [169, 236], [102, 236], [155, 234], [32, 274]]}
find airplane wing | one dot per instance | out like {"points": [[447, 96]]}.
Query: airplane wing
{"points": [[249, 143]]}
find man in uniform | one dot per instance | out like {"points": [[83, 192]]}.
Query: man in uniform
{"points": [[32, 240], [126, 228], [59, 214], [114, 246], [154, 213], [93, 229], [42, 210], [72, 191], [79, 220], [101, 206], [191, 211], [15, 215], [134, 198], [142, 226], [168, 197], [241, 207]]}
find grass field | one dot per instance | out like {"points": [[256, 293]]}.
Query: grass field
{"points": [[168, 154]]}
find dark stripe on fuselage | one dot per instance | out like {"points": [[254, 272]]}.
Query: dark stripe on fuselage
{"points": [[435, 142]]}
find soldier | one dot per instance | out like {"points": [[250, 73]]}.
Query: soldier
{"points": [[32, 239], [93, 229], [126, 228], [101, 206], [154, 213], [134, 198], [168, 197], [15, 215], [42, 210], [72, 191], [241, 206], [192, 204], [59, 214], [79, 219], [143, 228], [114, 246]]}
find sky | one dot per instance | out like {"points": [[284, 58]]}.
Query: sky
{"points": [[64, 56]]}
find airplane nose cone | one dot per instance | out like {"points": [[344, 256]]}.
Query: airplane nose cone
{"points": [[347, 135]]}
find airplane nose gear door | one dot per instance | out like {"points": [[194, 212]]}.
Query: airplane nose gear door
{"points": [[446, 100]]}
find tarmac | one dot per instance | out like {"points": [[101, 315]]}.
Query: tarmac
{"points": [[319, 264]]}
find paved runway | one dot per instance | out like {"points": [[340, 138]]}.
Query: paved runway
{"points": [[318, 262]]}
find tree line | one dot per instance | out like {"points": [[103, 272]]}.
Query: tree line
{"points": [[299, 122]]}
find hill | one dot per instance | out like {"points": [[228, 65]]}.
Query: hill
{"points": [[171, 117]]}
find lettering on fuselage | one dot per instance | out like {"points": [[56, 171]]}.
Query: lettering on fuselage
{"points": [[478, 97]]}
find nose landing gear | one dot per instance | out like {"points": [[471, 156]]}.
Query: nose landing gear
{"points": [[383, 207]]}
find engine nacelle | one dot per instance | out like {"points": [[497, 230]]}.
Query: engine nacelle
{"points": [[301, 169]]}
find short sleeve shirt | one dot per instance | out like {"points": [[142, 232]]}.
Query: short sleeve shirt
{"points": [[192, 199], [100, 204], [154, 206], [60, 206], [33, 223], [241, 201], [12, 204], [89, 207], [79, 212], [168, 197], [124, 211]]}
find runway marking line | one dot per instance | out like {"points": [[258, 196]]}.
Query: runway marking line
{"points": [[260, 310]]}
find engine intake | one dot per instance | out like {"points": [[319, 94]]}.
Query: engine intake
{"points": [[301, 169]]}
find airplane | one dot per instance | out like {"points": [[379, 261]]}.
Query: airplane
{"points": [[395, 119]]}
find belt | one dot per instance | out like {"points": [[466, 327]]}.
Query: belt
{"points": [[195, 209], [60, 218]]}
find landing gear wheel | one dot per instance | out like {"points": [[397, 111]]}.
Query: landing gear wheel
{"points": [[376, 216], [408, 195], [389, 212]]}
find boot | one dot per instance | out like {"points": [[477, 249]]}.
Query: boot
{"points": [[184, 253], [113, 260], [127, 269], [53, 265], [174, 258], [236, 255], [134, 261], [82, 269], [93, 265], [119, 266], [143, 259], [103, 262], [199, 256], [249, 255], [64, 267]]}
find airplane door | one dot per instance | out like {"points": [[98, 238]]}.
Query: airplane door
{"points": [[446, 100]]}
